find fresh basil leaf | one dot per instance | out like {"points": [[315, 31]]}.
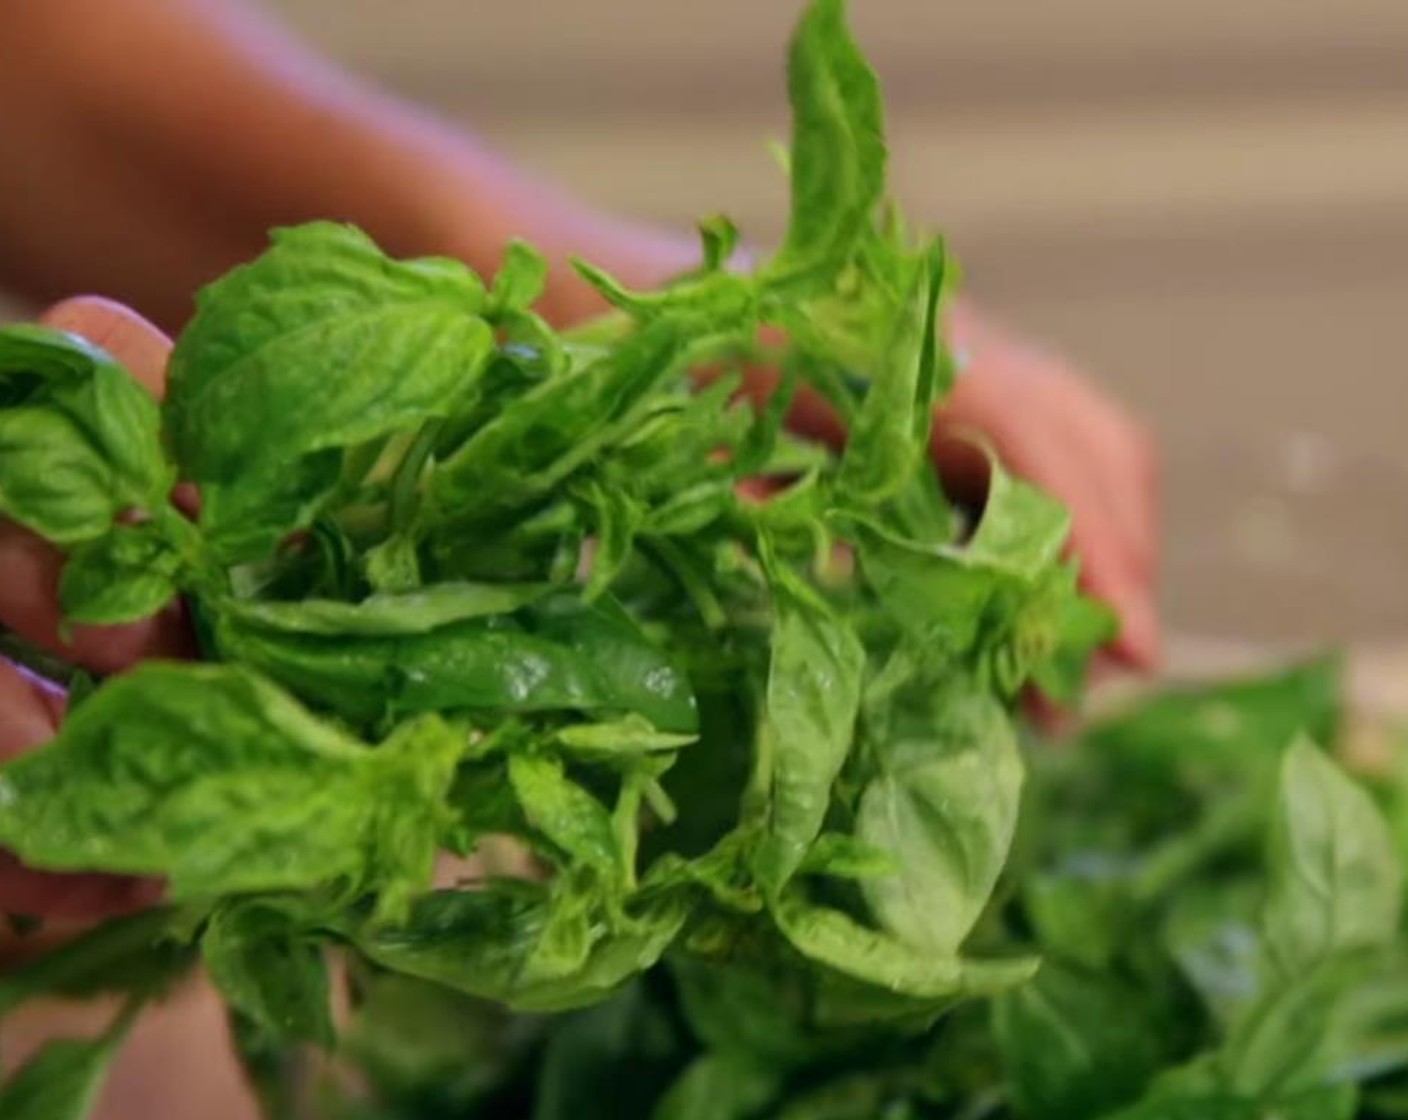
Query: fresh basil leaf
{"points": [[128, 574], [719, 239], [214, 778], [630, 736], [1192, 1108], [519, 282], [754, 1012], [608, 1061], [832, 938], [846, 857], [246, 520], [616, 519], [1336, 881], [556, 655], [1075, 1044], [409, 612], [270, 971], [52, 480], [104, 424], [889, 441], [61, 1082], [540, 438], [808, 723], [944, 805], [293, 345], [1209, 736], [565, 813], [486, 943], [838, 142], [719, 1087]]}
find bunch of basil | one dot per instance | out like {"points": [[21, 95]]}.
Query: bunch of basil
{"points": [[463, 579]]}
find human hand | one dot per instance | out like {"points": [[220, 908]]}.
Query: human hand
{"points": [[31, 709]]}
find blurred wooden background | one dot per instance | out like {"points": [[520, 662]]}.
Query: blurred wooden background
{"points": [[1204, 203]]}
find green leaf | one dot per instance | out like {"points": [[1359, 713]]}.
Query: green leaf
{"points": [[631, 736], [847, 857], [1192, 1108], [520, 280], [1336, 881], [719, 1087], [558, 654], [1075, 1044], [538, 439], [808, 723], [944, 806], [409, 612], [128, 574], [719, 239], [270, 971], [832, 938], [214, 778], [953, 597], [489, 943], [564, 812], [52, 480], [296, 344], [616, 520], [248, 519], [838, 142], [93, 428], [1207, 736], [889, 441], [61, 1082], [1022, 530], [608, 1061]]}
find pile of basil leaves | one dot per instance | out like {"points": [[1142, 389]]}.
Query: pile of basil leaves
{"points": [[468, 585]]}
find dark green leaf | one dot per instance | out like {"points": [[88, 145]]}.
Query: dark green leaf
{"points": [[718, 1087], [270, 971], [1075, 1044], [558, 654], [61, 1082]]}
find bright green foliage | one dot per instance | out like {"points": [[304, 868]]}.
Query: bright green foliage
{"points": [[462, 580]]}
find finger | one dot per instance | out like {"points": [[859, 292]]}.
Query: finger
{"points": [[1122, 467], [70, 897], [31, 710], [29, 605], [138, 345], [1107, 578]]}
